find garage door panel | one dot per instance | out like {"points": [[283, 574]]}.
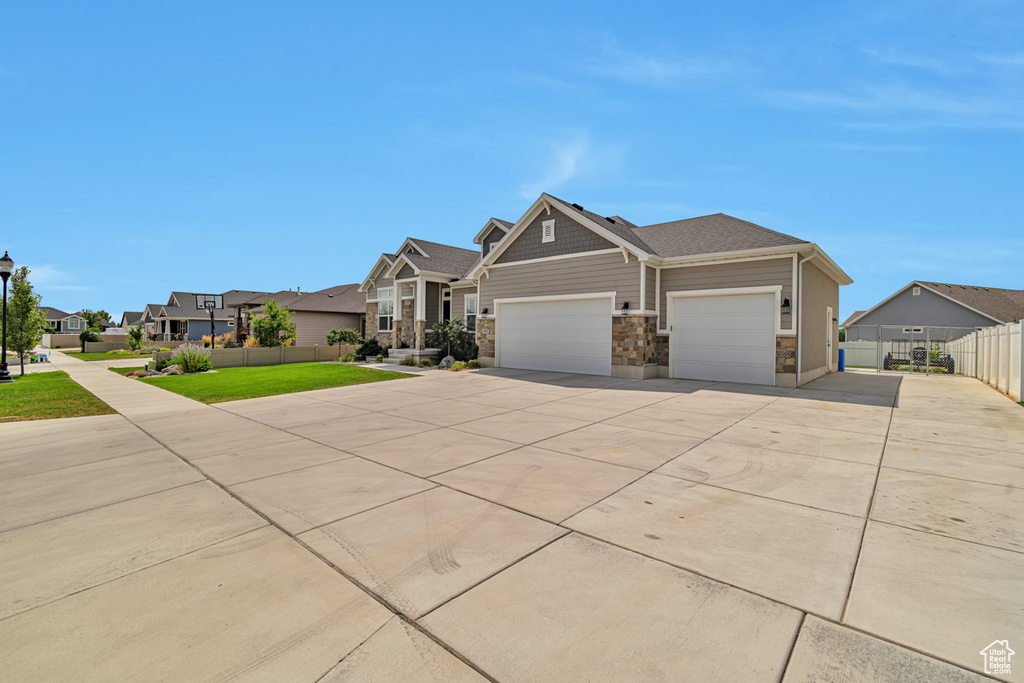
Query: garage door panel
{"points": [[724, 338], [724, 372], [562, 336]]}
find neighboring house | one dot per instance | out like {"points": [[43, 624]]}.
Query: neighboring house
{"points": [[938, 304], [60, 322], [130, 319], [567, 290], [314, 313], [185, 318]]}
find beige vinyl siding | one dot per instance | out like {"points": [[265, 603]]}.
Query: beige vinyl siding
{"points": [[433, 302], [408, 289], [312, 327], [820, 291], [650, 287], [381, 283], [405, 272], [578, 275], [767, 272], [570, 238], [459, 299]]}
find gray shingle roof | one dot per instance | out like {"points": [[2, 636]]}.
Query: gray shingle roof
{"points": [[131, 318], [442, 258], [856, 314], [339, 299], [54, 313], [615, 225], [710, 235], [1006, 305]]}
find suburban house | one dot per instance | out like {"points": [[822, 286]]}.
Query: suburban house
{"points": [[565, 289], [314, 313], [938, 304], [185, 317], [130, 319], [60, 322]]}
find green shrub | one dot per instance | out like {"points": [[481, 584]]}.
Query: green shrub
{"points": [[380, 358], [409, 362], [88, 336], [135, 338], [473, 365], [370, 347], [191, 358], [453, 339], [458, 365], [348, 358], [426, 363]]}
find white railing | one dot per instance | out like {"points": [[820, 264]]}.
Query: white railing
{"points": [[1000, 357]]}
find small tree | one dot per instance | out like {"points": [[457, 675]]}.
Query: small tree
{"points": [[454, 338], [345, 335], [25, 322], [135, 338], [274, 327], [94, 318]]}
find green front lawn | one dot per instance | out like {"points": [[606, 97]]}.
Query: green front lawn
{"points": [[109, 355], [233, 384], [45, 396]]}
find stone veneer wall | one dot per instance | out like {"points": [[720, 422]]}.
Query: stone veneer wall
{"points": [[485, 337], [785, 355], [421, 335], [633, 339], [405, 328], [661, 349]]}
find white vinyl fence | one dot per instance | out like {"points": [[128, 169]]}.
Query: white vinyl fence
{"points": [[1000, 357]]}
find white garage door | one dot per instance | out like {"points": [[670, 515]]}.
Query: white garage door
{"points": [[724, 338], [562, 336]]}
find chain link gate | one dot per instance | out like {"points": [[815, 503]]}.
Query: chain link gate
{"points": [[925, 349]]}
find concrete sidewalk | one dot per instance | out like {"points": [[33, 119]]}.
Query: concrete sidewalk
{"points": [[513, 525]]}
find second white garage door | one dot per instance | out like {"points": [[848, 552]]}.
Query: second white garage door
{"points": [[562, 336], [724, 338]]}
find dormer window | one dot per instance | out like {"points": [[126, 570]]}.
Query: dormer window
{"points": [[548, 231]]}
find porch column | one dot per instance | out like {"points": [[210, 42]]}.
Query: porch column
{"points": [[419, 339]]}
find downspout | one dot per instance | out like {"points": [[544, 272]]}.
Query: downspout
{"points": [[798, 317]]}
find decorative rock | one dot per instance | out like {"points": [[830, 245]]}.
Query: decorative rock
{"points": [[173, 370], [446, 362]]}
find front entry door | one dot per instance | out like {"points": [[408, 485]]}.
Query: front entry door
{"points": [[446, 310]]}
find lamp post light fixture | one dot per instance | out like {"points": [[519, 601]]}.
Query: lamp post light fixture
{"points": [[210, 306], [6, 268]]}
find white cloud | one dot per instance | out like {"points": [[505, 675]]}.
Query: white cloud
{"points": [[570, 160], [612, 61], [52, 278]]}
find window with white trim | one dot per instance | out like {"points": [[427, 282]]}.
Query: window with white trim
{"points": [[385, 309], [73, 323], [548, 231], [471, 308]]}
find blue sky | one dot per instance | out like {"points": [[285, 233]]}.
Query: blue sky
{"points": [[258, 145]]}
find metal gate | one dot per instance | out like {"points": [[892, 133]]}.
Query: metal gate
{"points": [[925, 349]]}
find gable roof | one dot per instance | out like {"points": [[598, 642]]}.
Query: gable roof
{"points": [[1001, 305], [131, 318], [440, 258], [622, 229], [856, 314], [711, 234], [54, 313], [1005, 305], [388, 259], [495, 222], [183, 304], [339, 299]]}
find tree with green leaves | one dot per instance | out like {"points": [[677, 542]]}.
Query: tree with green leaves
{"points": [[135, 338], [454, 338], [93, 319], [25, 322], [274, 327], [344, 335]]}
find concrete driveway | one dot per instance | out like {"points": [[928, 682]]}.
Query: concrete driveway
{"points": [[517, 526]]}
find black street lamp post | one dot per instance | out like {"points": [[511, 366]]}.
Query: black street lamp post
{"points": [[210, 305], [6, 268]]}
